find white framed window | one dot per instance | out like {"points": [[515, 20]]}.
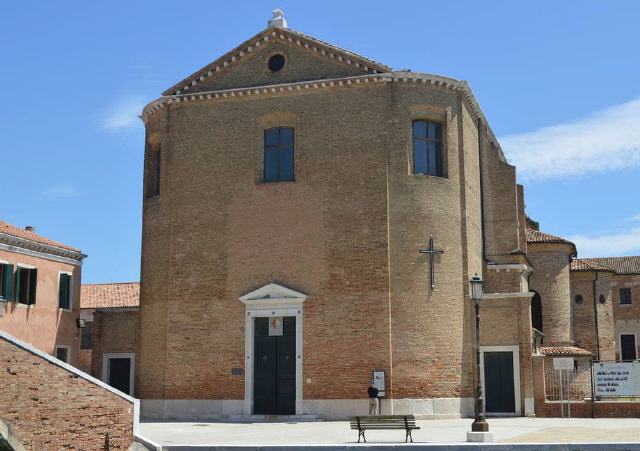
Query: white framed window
{"points": [[63, 353], [65, 291]]}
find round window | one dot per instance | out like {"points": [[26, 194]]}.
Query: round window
{"points": [[276, 63], [579, 299]]}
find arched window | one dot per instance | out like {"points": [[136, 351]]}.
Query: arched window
{"points": [[536, 312], [427, 148], [278, 154]]}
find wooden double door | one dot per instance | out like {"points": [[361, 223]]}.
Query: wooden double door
{"points": [[274, 373]]}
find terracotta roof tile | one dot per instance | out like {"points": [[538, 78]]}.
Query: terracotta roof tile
{"points": [[8, 229], [105, 295], [621, 265], [565, 351], [587, 264], [536, 236]]}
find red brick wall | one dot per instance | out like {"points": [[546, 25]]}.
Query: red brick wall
{"points": [[49, 407], [579, 409]]}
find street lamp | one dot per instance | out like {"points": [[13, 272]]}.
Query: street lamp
{"points": [[480, 423]]}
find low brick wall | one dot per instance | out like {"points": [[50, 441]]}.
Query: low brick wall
{"points": [[579, 409], [49, 405], [582, 409]]}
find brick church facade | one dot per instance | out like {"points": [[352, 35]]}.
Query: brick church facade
{"points": [[292, 191]]}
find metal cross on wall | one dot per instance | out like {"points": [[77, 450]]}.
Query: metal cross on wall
{"points": [[431, 251]]}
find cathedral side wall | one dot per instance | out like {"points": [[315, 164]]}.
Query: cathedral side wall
{"points": [[428, 325], [551, 279], [156, 266]]}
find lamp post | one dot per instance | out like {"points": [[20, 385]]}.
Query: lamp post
{"points": [[475, 293]]}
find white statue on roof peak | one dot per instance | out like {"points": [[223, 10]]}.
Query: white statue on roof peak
{"points": [[277, 19]]}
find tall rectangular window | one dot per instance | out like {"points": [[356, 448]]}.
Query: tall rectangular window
{"points": [[6, 282], [64, 291], [153, 173], [86, 335], [625, 296], [427, 148], [26, 280], [278, 155]]}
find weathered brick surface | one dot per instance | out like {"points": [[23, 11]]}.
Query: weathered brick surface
{"points": [[583, 324], [114, 331], [50, 408], [551, 279]]}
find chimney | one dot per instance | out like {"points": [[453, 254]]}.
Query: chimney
{"points": [[277, 19], [30, 228]]}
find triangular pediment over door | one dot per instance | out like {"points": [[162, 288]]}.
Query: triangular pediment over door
{"points": [[273, 295]]}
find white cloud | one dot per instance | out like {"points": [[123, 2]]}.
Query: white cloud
{"points": [[123, 114], [634, 218], [60, 191], [604, 141], [609, 244]]}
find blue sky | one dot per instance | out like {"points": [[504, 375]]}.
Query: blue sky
{"points": [[558, 81]]}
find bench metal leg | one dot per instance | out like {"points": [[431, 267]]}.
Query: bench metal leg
{"points": [[408, 436], [361, 434]]}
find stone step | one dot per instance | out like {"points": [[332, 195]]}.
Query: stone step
{"points": [[272, 418]]}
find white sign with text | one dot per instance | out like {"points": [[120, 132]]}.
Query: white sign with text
{"points": [[617, 379]]}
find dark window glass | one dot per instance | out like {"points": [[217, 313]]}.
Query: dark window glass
{"points": [[26, 280], [6, 282], [628, 349], [62, 354], [276, 63], [64, 291], [579, 299], [85, 337], [427, 148], [2, 280], [278, 154], [625, 296], [153, 173]]}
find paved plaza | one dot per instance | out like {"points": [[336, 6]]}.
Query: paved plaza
{"points": [[453, 431]]}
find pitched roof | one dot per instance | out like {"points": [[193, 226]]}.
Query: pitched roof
{"points": [[17, 232], [110, 295], [536, 236], [621, 265], [246, 48], [565, 351], [587, 264]]}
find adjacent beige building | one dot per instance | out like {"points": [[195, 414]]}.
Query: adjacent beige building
{"points": [[40, 291]]}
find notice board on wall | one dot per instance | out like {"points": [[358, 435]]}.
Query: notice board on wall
{"points": [[617, 379]]}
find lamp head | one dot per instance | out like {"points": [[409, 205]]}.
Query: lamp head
{"points": [[475, 288]]}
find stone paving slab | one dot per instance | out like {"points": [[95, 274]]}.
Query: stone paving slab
{"points": [[619, 434]]}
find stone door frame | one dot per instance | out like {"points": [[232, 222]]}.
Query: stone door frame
{"points": [[515, 350], [271, 300]]}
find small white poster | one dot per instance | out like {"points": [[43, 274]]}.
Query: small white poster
{"points": [[617, 379], [378, 382], [563, 363], [275, 326]]}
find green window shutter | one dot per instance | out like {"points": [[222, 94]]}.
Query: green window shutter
{"points": [[33, 280], [18, 294], [63, 291], [7, 291], [8, 282]]}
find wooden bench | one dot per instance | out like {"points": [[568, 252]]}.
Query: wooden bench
{"points": [[406, 422]]}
